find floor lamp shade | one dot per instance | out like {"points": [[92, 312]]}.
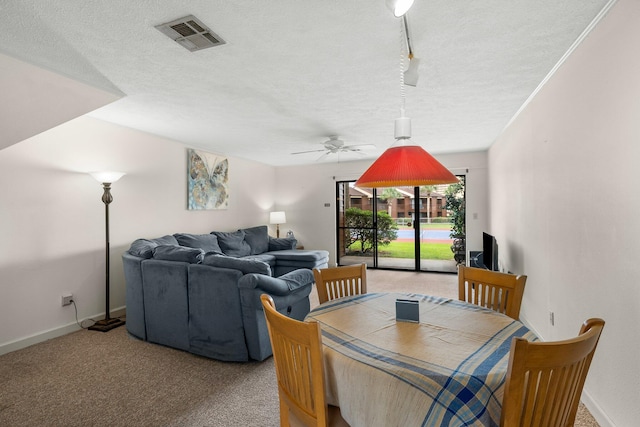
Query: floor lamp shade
{"points": [[106, 179], [107, 176]]}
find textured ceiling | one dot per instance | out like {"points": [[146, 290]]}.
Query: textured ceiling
{"points": [[294, 72]]}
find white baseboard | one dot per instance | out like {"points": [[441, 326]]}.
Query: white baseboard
{"points": [[596, 410], [52, 333]]}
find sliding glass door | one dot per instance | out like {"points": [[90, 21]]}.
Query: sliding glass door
{"points": [[356, 215], [408, 228]]}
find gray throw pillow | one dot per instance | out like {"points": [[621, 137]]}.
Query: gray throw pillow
{"points": [[233, 243], [206, 242], [246, 266], [143, 248], [258, 239], [178, 253]]}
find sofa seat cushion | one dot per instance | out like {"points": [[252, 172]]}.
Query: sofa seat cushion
{"points": [[290, 260], [304, 256], [233, 243], [245, 265], [206, 242]]}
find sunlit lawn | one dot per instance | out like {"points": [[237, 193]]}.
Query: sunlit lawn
{"points": [[407, 250], [441, 251]]}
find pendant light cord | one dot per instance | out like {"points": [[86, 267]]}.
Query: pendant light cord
{"points": [[402, 55]]}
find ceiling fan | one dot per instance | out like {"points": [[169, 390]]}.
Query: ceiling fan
{"points": [[335, 145]]}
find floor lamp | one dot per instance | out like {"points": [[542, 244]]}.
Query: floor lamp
{"points": [[107, 178]]}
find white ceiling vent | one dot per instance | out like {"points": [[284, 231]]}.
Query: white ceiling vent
{"points": [[191, 33]]}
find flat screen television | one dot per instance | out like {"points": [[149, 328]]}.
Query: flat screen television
{"points": [[489, 252]]}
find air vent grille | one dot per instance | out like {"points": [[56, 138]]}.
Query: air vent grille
{"points": [[190, 33]]}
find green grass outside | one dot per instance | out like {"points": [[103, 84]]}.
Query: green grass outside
{"points": [[440, 251]]}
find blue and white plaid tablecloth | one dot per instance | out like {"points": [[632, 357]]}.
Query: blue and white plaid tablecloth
{"points": [[447, 370]]}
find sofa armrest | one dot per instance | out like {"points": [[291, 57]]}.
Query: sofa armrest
{"points": [[290, 292], [282, 285]]}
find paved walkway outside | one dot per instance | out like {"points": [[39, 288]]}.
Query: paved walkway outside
{"points": [[447, 266]]}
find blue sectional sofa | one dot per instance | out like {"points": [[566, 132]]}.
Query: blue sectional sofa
{"points": [[201, 292]]}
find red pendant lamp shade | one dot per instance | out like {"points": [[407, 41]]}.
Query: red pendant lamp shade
{"points": [[405, 166]]}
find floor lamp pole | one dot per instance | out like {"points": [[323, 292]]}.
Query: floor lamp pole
{"points": [[107, 323]]}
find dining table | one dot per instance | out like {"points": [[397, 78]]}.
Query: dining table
{"points": [[446, 369]]}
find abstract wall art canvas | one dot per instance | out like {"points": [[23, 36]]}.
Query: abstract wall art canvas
{"points": [[208, 177]]}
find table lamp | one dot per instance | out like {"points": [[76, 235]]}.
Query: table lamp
{"points": [[277, 218]]}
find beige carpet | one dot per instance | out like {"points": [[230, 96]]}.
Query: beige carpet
{"points": [[97, 379]]}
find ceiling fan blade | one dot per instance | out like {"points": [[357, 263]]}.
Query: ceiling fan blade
{"points": [[360, 147], [323, 156], [310, 151]]}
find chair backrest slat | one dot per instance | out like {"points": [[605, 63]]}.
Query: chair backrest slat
{"points": [[298, 359], [497, 291], [339, 282], [545, 379]]}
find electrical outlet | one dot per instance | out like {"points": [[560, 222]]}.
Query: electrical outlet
{"points": [[66, 299]]}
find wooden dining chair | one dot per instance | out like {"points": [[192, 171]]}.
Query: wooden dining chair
{"points": [[545, 379], [297, 355], [338, 282], [497, 291]]}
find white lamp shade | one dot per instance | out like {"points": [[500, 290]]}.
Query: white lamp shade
{"points": [[277, 217], [399, 7], [107, 176]]}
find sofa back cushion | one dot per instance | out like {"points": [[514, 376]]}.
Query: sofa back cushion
{"points": [[178, 253], [206, 242], [143, 248], [233, 243], [257, 238], [246, 266], [281, 244]]}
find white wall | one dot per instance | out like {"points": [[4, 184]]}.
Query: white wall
{"points": [[52, 218], [34, 100], [304, 190], [565, 205]]}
